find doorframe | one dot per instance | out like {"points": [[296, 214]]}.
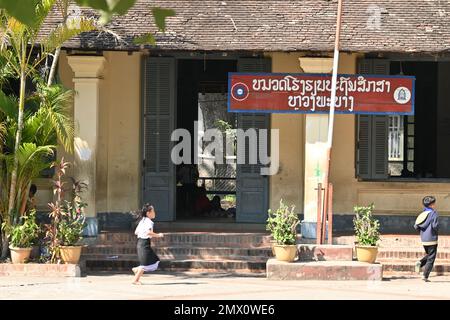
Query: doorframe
{"points": [[184, 55]]}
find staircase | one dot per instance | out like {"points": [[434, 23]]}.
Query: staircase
{"points": [[239, 253], [399, 253]]}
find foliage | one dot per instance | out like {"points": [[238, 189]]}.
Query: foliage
{"points": [[23, 13], [71, 227], [230, 132], [366, 227], [31, 122], [24, 234], [283, 224], [67, 217], [46, 122]]}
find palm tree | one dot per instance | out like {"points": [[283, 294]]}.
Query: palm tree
{"points": [[47, 123], [17, 47]]}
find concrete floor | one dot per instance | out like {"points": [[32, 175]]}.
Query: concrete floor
{"points": [[196, 286]]}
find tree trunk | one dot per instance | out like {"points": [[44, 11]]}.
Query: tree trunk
{"points": [[5, 247], [12, 192], [53, 68]]}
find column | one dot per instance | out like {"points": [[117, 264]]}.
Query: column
{"points": [[316, 131], [87, 76]]}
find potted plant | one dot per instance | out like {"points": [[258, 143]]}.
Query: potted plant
{"points": [[68, 220], [282, 224], [70, 231], [22, 237], [367, 234]]}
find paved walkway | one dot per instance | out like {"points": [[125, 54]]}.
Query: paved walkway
{"points": [[195, 286]]}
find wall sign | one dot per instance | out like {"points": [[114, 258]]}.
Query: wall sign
{"points": [[310, 93]]}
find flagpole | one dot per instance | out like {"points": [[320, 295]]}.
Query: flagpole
{"points": [[332, 106]]}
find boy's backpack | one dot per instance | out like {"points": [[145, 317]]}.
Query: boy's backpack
{"points": [[422, 217]]}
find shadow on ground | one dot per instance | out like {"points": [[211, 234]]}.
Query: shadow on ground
{"points": [[183, 274]]}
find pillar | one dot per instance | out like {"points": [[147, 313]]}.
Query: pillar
{"points": [[316, 132], [87, 76]]}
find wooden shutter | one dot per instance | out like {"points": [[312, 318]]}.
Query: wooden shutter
{"points": [[159, 122], [364, 151], [252, 189], [379, 155], [372, 143]]}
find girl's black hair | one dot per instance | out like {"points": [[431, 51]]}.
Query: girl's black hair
{"points": [[147, 207]]}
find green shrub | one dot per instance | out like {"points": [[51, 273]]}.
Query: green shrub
{"points": [[282, 223], [24, 234], [366, 227]]}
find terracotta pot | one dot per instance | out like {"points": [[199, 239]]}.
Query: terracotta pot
{"points": [[20, 255], [366, 253], [285, 252], [71, 254]]}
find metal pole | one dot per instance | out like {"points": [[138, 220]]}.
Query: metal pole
{"points": [[334, 77], [319, 214], [333, 95], [330, 213]]}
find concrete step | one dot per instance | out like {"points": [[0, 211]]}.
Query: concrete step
{"points": [[175, 251], [169, 256], [323, 270], [206, 238], [407, 266], [312, 252], [387, 241], [410, 253], [233, 266]]}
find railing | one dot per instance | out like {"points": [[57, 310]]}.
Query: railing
{"points": [[219, 188]]}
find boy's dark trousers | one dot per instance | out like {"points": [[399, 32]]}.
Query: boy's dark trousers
{"points": [[428, 260]]}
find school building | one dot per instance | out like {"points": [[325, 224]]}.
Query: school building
{"points": [[129, 99]]}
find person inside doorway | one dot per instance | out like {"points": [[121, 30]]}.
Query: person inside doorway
{"points": [[187, 177], [216, 208], [202, 206], [29, 203]]}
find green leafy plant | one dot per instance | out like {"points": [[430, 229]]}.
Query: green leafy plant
{"points": [[367, 229], [24, 234], [67, 216], [73, 221], [282, 223]]}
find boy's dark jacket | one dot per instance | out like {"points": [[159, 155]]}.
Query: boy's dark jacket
{"points": [[429, 228]]}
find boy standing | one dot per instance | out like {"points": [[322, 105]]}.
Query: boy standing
{"points": [[428, 224]]}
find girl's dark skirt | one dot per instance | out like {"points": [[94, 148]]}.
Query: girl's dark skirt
{"points": [[148, 260]]}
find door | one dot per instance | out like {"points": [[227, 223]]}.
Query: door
{"points": [[252, 188], [158, 124]]}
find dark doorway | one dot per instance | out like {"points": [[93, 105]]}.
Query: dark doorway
{"points": [[420, 150], [205, 191]]}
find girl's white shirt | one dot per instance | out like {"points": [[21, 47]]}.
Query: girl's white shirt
{"points": [[144, 226]]}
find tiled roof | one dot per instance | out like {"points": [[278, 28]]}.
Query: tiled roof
{"points": [[283, 25]]}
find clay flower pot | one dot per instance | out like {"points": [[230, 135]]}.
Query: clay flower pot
{"points": [[285, 252], [20, 255], [71, 254]]}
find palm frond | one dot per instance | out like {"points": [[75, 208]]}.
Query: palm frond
{"points": [[56, 106], [2, 134], [31, 158], [62, 33], [43, 8], [8, 105]]}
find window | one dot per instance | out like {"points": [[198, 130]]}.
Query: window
{"points": [[407, 146]]}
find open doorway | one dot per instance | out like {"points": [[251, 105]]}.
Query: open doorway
{"points": [[205, 190], [416, 142]]}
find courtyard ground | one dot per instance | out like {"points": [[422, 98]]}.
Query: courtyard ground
{"points": [[217, 286]]}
